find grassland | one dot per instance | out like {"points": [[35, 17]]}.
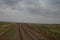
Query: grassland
{"points": [[52, 31], [11, 34], [5, 28]]}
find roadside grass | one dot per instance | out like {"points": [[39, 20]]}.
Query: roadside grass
{"points": [[11, 34], [5, 23], [3, 30], [4, 27], [52, 31]]}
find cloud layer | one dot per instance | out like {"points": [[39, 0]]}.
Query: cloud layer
{"points": [[31, 11]]}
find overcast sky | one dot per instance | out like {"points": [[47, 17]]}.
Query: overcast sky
{"points": [[33, 11]]}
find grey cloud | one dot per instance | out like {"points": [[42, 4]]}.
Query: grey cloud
{"points": [[11, 2], [34, 11], [54, 1], [49, 11], [28, 1]]}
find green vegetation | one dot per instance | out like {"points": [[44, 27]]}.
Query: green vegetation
{"points": [[5, 28], [48, 30], [4, 23], [11, 33]]}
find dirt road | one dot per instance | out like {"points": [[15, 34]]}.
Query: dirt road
{"points": [[24, 32]]}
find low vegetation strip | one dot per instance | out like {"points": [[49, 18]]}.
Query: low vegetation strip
{"points": [[54, 31], [6, 30], [3, 28], [11, 34], [5, 23], [8, 35], [2, 34], [50, 31]]}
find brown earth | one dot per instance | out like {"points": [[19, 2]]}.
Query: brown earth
{"points": [[24, 32]]}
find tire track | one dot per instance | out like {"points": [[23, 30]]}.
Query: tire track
{"points": [[23, 37], [28, 34], [33, 37], [41, 37]]}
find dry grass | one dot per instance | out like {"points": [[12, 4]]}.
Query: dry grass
{"points": [[51, 31]]}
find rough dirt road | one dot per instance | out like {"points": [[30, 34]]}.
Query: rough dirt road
{"points": [[24, 32]]}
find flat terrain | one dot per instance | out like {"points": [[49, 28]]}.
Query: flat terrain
{"points": [[24, 31], [6, 31], [51, 31]]}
